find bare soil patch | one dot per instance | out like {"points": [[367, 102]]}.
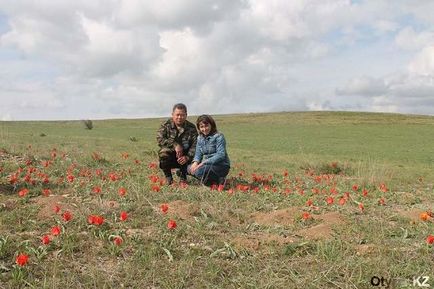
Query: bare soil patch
{"points": [[283, 217], [183, 210], [324, 230]]}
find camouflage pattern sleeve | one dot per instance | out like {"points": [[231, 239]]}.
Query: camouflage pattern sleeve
{"points": [[164, 137]]}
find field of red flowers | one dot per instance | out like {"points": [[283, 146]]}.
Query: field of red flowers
{"points": [[102, 219]]}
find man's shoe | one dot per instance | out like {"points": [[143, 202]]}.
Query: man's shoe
{"points": [[182, 176], [169, 181]]}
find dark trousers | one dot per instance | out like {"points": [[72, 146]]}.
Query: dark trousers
{"points": [[212, 174], [168, 162]]}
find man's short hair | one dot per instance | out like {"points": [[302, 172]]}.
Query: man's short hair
{"points": [[180, 106]]}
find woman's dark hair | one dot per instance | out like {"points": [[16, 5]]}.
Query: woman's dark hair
{"points": [[205, 118]]}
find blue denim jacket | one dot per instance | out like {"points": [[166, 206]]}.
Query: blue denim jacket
{"points": [[211, 150]]}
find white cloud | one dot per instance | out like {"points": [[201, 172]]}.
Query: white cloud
{"points": [[409, 39], [118, 58]]}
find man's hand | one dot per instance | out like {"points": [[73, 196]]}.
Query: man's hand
{"points": [[179, 151], [182, 160]]}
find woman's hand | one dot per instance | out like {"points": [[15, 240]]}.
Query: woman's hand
{"points": [[194, 167]]}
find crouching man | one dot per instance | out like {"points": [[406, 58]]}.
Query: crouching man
{"points": [[177, 141]]}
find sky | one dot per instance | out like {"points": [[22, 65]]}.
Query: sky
{"points": [[81, 59]]}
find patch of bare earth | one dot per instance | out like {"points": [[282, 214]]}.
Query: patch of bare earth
{"points": [[47, 205], [182, 210], [283, 217], [324, 230], [413, 214]]}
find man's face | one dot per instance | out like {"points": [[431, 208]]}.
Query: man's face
{"points": [[179, 116]]}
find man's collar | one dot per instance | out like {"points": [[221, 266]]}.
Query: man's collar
{"points": [[173, 125]]}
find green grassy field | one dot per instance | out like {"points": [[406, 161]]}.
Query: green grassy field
{"points": [[313, 200]]}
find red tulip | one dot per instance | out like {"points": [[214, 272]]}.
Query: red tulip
{"points": [[55, 231], [45, 240], [67, 216], [23, 192], [164, 208], [122, 192], [118, 240], [171, 224], [46, 192], [123, 216], [22, 259]]}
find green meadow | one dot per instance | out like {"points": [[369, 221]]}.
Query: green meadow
{"points": [[313, 200]]}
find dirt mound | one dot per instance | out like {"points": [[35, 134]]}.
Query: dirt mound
{"points": [[283, 217], [183, 210], [324, 230], [47, 205], [412, 214]]}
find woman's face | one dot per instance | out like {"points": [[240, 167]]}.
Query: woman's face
{"points": [[205, 128]]}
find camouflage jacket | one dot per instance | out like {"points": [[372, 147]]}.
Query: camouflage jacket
{"points": [[168, 136]]}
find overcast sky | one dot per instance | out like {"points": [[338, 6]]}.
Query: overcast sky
{"points": [[81, 59]]}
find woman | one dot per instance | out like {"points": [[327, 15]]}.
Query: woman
{"points": [[211, 162]]}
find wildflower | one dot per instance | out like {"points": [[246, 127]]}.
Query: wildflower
{"points": [[309, 203], [330, 200], [430, 240], [155, 188], [306, 216], [171, 224], [221, 188], [95, 220], [381, 202], [152, 165], [70, 178], [46, 192], [361, 207], [365, 192], [424, 216], [333, 190], [23, 192], [67, 216], [125, 155], [123, 216], [342, 201], [96, 189], [355, 187], [13, 179], [45, 240], [164, 208], [56, 209], [122, 192], [22, 259], [55, 231], [315, 190], [118, 240], [383, 188], [113, 177]]}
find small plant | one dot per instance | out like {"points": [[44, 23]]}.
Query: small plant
{"points": [[42, 134], [88, 124], [133, 139]]}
